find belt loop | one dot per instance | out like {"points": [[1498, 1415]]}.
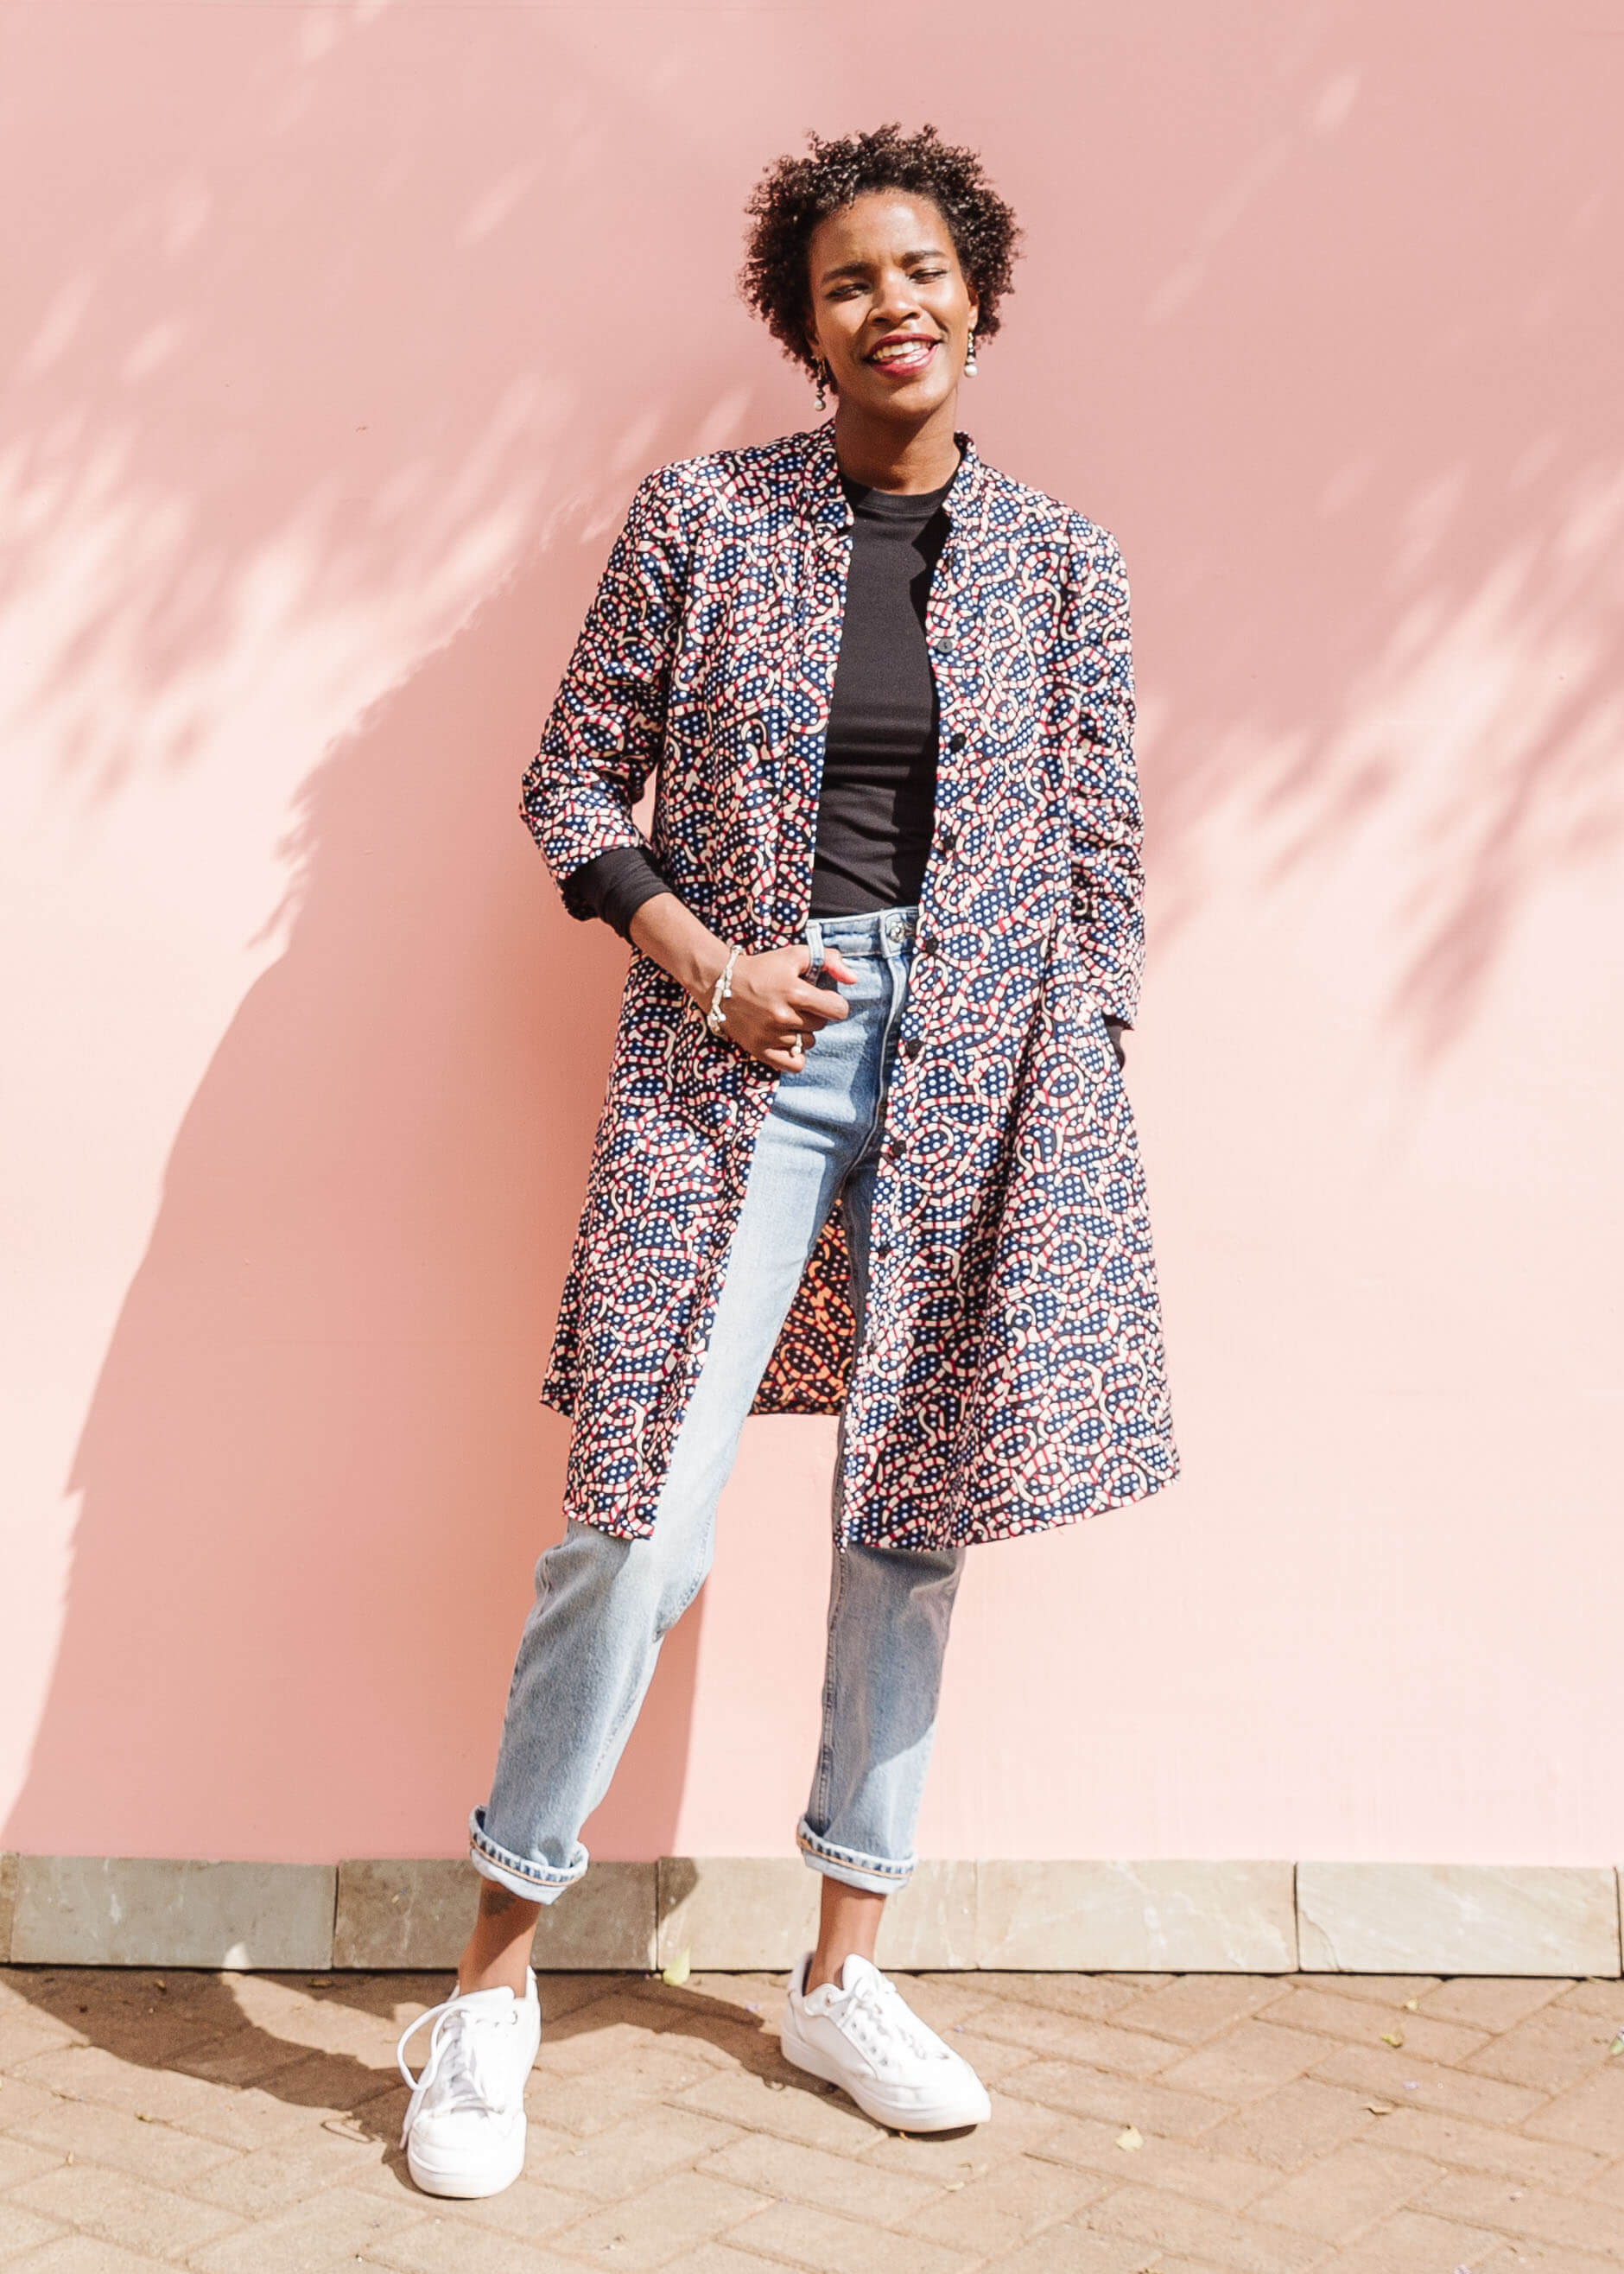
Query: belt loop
{"points": [[814, 941]]}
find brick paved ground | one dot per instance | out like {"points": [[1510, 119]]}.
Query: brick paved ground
{"points": [[247, 2125]]}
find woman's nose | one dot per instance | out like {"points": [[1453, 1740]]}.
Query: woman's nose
{"points": [[897, 299]]}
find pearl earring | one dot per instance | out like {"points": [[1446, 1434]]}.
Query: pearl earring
{"points": [[970, 356]]}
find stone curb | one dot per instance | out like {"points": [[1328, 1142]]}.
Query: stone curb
{"points": [[748, 1913]]}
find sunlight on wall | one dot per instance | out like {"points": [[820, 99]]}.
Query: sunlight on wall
{"points": [[343, 336]]}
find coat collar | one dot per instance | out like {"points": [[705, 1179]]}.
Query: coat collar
{"points": [[824, 501]]}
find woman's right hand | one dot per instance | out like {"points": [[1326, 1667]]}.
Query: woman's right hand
{"points": [[773, 1002], [773, 1005]]}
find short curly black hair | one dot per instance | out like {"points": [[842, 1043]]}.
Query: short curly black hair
{"points": [[795, 194]]}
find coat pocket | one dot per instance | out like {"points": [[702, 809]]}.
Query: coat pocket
{"points": [[1083, 1062], [701, 1070]]}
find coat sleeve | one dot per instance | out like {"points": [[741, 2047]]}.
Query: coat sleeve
{"points": [[604, 732], [1108, 899]]}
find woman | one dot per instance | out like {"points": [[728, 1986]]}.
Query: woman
{"points": [[865, 1148]]}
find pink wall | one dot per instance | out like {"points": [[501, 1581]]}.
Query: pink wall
{"points": [[341, 335]]}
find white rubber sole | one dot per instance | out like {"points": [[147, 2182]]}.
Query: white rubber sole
{"points": [[490, 2179], [950, 2117]]}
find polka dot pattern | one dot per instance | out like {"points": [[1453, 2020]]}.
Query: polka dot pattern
{"points": [[1011, 1375]]}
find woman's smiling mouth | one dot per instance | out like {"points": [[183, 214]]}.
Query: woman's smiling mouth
{"points": [[905, 356]]}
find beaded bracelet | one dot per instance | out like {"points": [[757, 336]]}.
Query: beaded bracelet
{"points": [[716, 1018]]}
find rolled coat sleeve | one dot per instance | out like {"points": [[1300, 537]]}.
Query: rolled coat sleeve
{"points": [[604, 732], [1108, 884]]}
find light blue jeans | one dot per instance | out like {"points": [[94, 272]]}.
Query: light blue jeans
{"points": [[604, 1605]]}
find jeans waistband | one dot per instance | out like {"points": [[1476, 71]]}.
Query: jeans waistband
{"points": [[877, 931]]}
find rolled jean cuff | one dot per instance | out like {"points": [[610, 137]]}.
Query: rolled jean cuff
{"points": [[534, 1883], [873, 1874]]}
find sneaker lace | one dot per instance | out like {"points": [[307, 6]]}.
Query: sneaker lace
{"points": [[884, 2024], [459, 2062]]}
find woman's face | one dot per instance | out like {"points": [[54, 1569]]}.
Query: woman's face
{"points": [[890, 310]]}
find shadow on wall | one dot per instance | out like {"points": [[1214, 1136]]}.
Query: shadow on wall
{"points": [[315, 1463], [1344, 408], [1347, 348], [315, 1471]]}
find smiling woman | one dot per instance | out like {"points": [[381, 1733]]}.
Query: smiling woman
{"points": [[866, 1148], [971, 233]]}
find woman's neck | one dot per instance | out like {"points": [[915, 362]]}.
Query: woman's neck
{"points": [[881, 456]]}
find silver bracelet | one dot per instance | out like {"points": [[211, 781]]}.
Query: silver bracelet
{"points": [[716, 1018]]}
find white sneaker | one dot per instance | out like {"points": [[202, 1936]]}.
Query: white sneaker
{"points": [[464, 2128], [861, 2036]]}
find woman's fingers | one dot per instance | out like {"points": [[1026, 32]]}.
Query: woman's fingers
{"points": [[817, 1006], [800, 1011], [786, 1052]]}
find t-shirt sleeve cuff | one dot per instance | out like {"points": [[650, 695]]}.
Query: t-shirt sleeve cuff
{"points": [[615, 885]]}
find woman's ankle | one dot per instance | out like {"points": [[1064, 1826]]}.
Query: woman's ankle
{"points": [[848, 1926], [497, 1955], [508, 1970]]}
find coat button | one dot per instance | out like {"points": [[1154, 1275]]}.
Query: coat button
{"points": [[930, 944], [956, 741], [893, 1148], [948, 839], [912, 1046], [883, 1247]]}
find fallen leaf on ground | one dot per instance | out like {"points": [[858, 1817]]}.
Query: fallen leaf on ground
{"points": [[1617, 2046], [1411, 2005], [677, 1973], [1394, 2038], [1381, 2107], [1129, 2138]]}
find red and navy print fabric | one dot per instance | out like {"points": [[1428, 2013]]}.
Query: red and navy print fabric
{"points": [[1011, 1377]]}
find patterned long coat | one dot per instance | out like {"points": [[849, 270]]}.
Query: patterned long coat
{"points": [[1011, 1375]]}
